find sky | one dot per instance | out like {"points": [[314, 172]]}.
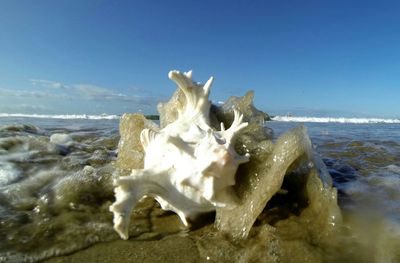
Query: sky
{"points": [[304, 58]]}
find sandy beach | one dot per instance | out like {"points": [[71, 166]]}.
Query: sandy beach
{"points": [[165, 250]]}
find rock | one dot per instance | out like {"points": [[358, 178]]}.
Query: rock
{"points": [[290, 159], [260, 179], [245, 106], [169, 110], [130, 150]]}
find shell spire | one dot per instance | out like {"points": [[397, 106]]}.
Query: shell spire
{"points": [[196, 94]]}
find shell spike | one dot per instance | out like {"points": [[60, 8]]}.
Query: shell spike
{"points": [[183, 219], [237, 124], [189, 74], [222, 126], [181, 79], [208, 85]]}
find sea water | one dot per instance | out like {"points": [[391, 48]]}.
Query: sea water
{"points": [[55, 183], [363, 160]]}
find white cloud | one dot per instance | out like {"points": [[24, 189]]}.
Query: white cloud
{"points": [[31, 94], [92, 92], [75, 98], [75, 91], [48, 84], [89, 92], [95, 92], [24, 108]]}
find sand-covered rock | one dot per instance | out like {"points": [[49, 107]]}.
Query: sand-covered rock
{"points": [[130, 149]]}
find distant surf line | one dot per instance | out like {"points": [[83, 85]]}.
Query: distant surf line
{"points": [[103, 116], [335, 120], [61, 116], [275, 118]]}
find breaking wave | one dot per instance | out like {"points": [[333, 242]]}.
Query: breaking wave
{"points": [[335, 120], [61, 116]]}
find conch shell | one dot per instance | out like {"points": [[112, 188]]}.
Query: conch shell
{"points": [[189, 167]]}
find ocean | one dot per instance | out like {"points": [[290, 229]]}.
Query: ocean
{"points": [[55, 182]]}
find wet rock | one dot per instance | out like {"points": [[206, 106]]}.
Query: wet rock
{"points": [[130, 149], [100, 157], [260, 179], [169, 110], [110, 143], [289, 159], [245, 106]]}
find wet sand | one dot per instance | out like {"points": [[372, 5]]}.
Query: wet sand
{"points": [[164, 250]]}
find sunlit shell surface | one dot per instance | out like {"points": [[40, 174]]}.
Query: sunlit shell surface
{"points": [[189, 167]]}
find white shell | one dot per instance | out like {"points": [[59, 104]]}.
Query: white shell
{"points": [[189, 167]]}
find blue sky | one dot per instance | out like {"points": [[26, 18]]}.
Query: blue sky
{"points": [[320, 58]]}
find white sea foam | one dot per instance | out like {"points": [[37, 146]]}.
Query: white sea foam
{"points": [[275, 118], [9, 172], [61, 139], [336, 120], [61, 116], [393, 168]]}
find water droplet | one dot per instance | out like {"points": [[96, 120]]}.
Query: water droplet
{"points": [[36, 209]]}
